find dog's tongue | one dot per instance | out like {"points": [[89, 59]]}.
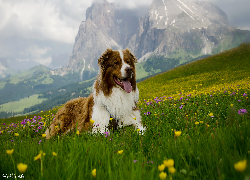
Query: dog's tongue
{"points": [[127, 86]]}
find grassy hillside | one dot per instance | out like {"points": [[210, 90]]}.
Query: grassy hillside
{"points": [[197, 119], [206, 75]]}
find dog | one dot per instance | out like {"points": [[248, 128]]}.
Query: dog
{"points": [[115, 95]]}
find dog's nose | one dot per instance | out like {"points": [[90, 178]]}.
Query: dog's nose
{"points": [[129, 71]]}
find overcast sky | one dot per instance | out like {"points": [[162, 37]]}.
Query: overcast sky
{"points": [[34, 30]]}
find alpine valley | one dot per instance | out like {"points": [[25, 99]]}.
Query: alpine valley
{"points": [[171, 33]]}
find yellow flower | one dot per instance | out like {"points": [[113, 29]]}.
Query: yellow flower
{"points": [[161, 167], [210, 114], [138, 129], [171, 170], [196, 123], [92, 121], [54, 154], [94, 172], [9, 151], [110, 119], [240, 166], [77, 132], [201, 122], [22, 167], [56, 127], [44, 135], [39, 155], [163, 175], [41, 111], [134, 118], [120, 152], [177, 133], [231, 105], [16, 134], [169, 163]]}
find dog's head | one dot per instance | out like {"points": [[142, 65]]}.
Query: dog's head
{"points": [[117, 69]]}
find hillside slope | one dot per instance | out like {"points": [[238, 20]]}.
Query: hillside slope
{"points": [[207, 74]]}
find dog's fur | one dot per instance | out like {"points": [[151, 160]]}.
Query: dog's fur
{"points": [[115, 95]]}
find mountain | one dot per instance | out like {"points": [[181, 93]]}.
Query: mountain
{"points": [[173, 28]]}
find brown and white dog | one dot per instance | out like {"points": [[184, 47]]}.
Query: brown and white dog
{"points": [[115, 95]]}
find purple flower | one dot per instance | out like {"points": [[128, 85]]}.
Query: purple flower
{"points": [[150, 162], [40, 141], [181, 98], [40, 127], [4, 124], [242, 111], [135, 161], [107, 134], [181, 107], [244, 94]]}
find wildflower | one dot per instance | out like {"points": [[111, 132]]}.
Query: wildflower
{"points": [[242, 111], [56, 127], [196, 123], [161, 167], [39, 155], [240, 166], [177, 133], [244, 94], [54, 154], [9, 151], [231, 105], [22, 167], [171, 170], [211, 115], [91, 121], [77, 132], [138, 129], [107, 134], [94, 172], [163, 175], [169, 163], [44, 135], [150, 162], [41, 111], [201, 122], [134, 118], [40, 141], [16, 134], [135, 161], [120, 152]]}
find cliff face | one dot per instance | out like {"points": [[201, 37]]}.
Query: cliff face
{"points": [[170, 26]]}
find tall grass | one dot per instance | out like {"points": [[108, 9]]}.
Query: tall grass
{"points": [[213, 119]]}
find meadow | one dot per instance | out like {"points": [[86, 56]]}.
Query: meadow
{"points": [[197, 119]]}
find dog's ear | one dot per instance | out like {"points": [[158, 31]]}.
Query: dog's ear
{"points": [[105, 56], [131, 55]]}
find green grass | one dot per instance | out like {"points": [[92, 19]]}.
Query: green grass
{"points": [[213, 118], [19, 106]]}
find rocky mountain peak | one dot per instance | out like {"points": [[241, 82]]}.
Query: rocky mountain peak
{"points": [[184, 14], [170, 27]]}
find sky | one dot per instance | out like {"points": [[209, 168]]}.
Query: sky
{"points": [[35, 31]]}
